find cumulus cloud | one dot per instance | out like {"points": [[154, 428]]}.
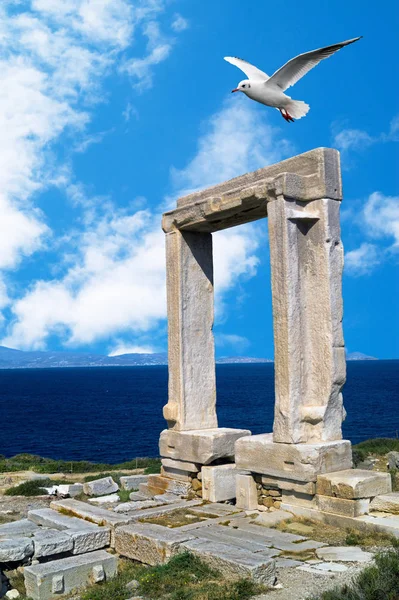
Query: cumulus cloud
{"points": [[232, 340], [362, 260], [379, 219], [347, 139], [114, 286]]}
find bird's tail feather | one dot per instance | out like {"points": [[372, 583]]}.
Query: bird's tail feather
{"points": [[297, 108]]}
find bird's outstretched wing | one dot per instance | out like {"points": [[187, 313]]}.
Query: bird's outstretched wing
{"points": [[253, 73], [297, 67]]}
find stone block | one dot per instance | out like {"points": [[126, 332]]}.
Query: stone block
{"points": [[182, 465], [298, 499], [15, 549], [290, 485], [246, 492], [235, 537], [393, 460], [138, 505], [111, 499], [68, 574], [300, 462], [147, 543], [22, 528], [46, 517], [200, 446], [344, 554], [177, 474], [93, 514], [342, 506], [100, 487], [219, 483], [132, 482], [49, 542], [232, 561], [353, 484], [271, 519], [140, 497], [88, 540], [158, 484], [386, 503]]}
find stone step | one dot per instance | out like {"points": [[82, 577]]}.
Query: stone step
{"points": [[386, 503], [91, 514], [217, 509], [344, 554], [158, 511], [125, 507], [46, 517], [132, 482], [15, 549], [233, 562], [49, 542], [148, 543], [85, 536], [353, 484], [279, 539], [217, 534], [21, 528], [66, 575]]}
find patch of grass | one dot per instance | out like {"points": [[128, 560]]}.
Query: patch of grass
{"points": [[368, 539], [338, 536], [124, 495], [17, 581], [178, 518], [184, 577], [30, 488], [154, 468], [379, 581], [377, 447], [39, 464]]}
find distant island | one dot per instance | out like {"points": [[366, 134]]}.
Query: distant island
{"points": [[359, 356], [24, 359]]}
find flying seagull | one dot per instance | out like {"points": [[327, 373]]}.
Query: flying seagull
{"points": [[270, 90]]}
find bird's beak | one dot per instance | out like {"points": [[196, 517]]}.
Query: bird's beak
{"points": [[235, 90]]}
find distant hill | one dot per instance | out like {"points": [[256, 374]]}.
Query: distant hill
{"points": [[241, 359], [21, 359], [359, 356]]}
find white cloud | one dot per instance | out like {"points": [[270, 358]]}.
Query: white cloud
{"points": [[179, 23], [355, 139], [362, 260], [347, 139], [379, 219], [238, 342], [53, 60], [123, 348], [114, 284], [237, 140], [158, 50]]}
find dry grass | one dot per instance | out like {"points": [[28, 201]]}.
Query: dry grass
{"points": [[178, 518], [337, 536]]}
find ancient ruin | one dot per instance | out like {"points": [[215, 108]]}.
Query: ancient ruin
{"points": [[221, 491], [301, 199]]}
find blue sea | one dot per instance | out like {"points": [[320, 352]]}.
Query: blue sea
{"points": [[113, 414]]}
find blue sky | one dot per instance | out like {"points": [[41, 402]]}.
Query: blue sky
{"points": [[111, 109]]}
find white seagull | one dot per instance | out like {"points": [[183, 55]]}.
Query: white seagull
{"points": [[270, 90]]}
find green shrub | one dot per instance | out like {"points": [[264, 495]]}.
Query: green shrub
{"points": [[32, 462], [30, 488], [377, 446]]}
